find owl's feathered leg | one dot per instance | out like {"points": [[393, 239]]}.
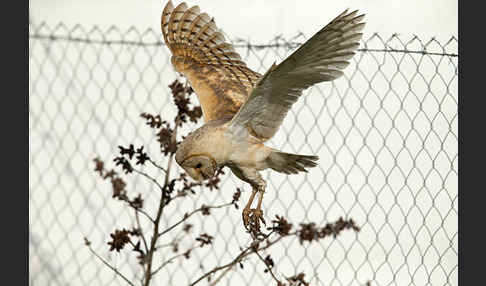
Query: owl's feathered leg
{"points": [[247, 210], [252, 217]]}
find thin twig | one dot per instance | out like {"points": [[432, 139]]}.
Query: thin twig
{"points": [[268, 268], [157, 165], [167, 244], [186, 216], [146, 215], [244, 253], [170, 260], [216, 281], [216, 269], [149, 177], [140, 229], [111, 267]]}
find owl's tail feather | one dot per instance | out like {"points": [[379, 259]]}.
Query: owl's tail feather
{"points": [[290, 163], [193, 38]]}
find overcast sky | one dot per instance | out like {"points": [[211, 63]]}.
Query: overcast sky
{"points": [[260, 20]]}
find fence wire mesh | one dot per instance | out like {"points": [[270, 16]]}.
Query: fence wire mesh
{"points": [[386, 134]]}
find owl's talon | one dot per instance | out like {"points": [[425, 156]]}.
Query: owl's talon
{"points": [[257, 217], [261, 218], [246, 217], [252, 218]]}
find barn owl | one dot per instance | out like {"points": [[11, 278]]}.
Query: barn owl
{"points": [[242, 109]]}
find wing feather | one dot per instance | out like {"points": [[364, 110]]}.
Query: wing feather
{"points": [[221, 80], [321, 58]]}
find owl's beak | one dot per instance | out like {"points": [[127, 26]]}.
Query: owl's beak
{"points": [[195, 174]]}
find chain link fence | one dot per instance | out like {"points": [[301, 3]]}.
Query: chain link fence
{"points": [[386, 134]]}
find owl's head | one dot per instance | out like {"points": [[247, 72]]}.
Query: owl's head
{"points": [[194, 154], [199, 167]]}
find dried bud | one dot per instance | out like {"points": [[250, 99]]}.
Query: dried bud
{"points": [[137, 203], [141, 156], [181, 96], [136, 232], [130, 151], [175, 246], [204, 239], [141, 254], [164, 137], [187, 227], [152, 121], [110, 174], [236, 197], [187, 254], [269, 262], [118, 188], [298, 280], [307, 232], [99, 166], [195, 114], [125, 164], [205, 210], [212, 183], [119, 239], [281, 226]]}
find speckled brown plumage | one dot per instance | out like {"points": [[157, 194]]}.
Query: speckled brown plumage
{"points": [[221, 80]]}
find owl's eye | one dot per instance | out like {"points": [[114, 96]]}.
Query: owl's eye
{"points": [[199, 165]]}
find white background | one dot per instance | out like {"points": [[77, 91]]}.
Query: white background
{"points": [[259, 20]]}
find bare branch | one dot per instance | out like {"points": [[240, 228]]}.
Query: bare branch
{"points": [[216, 281], [186, 216], [157, 165], [109, 265], [163, 195], [268, 268], [230, 264], [168, 244], [244, 253], [146, 215], [170, 260], [149, 177], [139, 226]]}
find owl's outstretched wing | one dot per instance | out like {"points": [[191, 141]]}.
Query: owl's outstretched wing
{"points": [[321, 58], [221, 80]]}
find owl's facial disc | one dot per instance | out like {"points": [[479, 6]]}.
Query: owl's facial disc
{"points": [[199, 167]]}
